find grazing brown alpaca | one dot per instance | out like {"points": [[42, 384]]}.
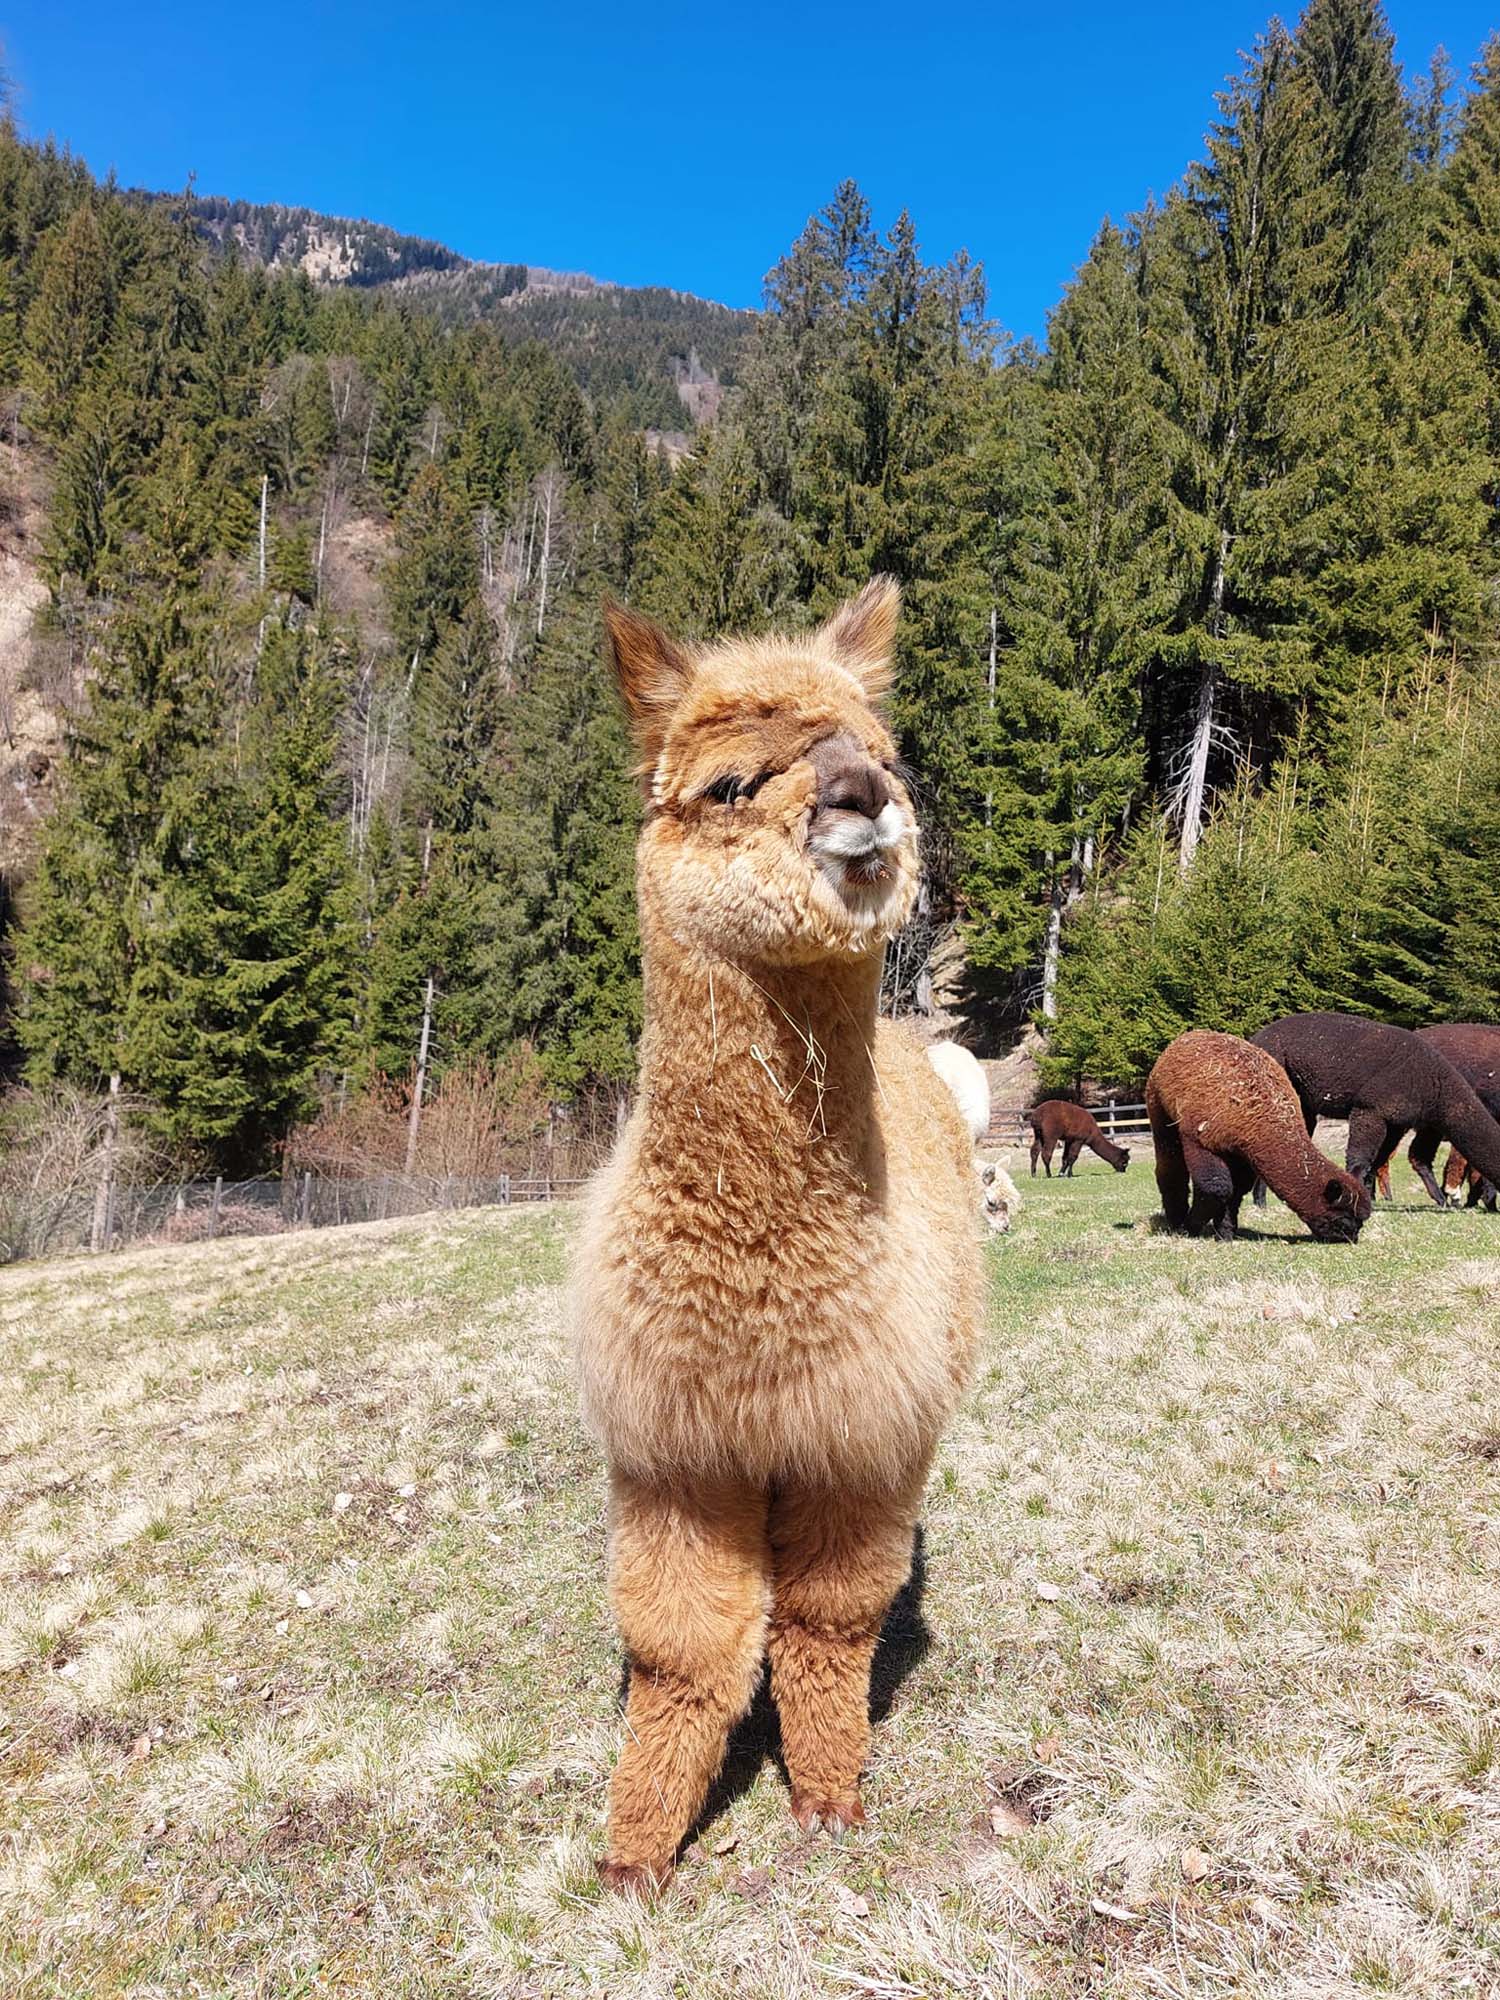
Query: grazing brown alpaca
{"points": [[777, 1281], [1222, 1112], [1057, 1118]]}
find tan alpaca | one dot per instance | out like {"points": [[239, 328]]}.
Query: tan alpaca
{"points": [[777, 1283]]}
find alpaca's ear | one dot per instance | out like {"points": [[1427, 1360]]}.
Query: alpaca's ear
{"points": [[862, 634], [653, 673]]}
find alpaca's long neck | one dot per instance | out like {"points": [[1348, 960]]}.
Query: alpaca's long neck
{"points": [[1469, 1125], [758, 1085]]}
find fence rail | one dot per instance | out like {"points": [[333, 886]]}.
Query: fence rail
{"points": [[202, 1210]]}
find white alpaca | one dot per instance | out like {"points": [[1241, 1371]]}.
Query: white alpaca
{"points": [[1002, 1198], [965, 1077]]}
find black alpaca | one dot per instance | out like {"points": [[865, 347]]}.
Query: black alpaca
{"points": [[1385, 1081], [1474, 1051]]}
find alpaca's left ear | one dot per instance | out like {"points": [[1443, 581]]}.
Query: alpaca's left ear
{"points": [[862, 634]]}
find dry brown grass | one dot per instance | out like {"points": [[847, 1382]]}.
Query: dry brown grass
{"points": [[1209, 1592]]}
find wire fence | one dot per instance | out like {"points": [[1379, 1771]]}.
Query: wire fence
{"points": [[193, 1211], [33, 1224]]}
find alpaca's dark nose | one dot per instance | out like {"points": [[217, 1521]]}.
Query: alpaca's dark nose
{"points": [[849, 779]]}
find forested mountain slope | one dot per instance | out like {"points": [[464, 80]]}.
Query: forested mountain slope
{"points": [[1197, 673], [639, 347]]}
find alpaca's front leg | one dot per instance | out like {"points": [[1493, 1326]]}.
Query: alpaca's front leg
{"points": [[838, 1560], [689, 1583]]}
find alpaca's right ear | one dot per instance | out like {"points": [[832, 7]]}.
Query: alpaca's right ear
{"points": [[653, 673], [862, 635]]}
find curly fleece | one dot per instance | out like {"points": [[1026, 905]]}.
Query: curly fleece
{"points": [[1222, 1112], [777, 1281]]}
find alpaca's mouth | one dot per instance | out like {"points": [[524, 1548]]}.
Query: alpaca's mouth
{"points": [[857, 854]]}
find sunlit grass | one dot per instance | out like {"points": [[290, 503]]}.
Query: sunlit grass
{"points": [[307, 1683]]}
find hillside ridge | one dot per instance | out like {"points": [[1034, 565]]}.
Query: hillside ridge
{"points": [[356, 250]]}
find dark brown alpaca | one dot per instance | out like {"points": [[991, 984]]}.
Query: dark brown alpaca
{"points": [[1473, 1048], [1055, 1118], [1457, 1174], [1224, 1112], [1385, 1081]]}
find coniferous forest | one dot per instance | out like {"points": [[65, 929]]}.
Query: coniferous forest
{"points": [[1198, 676]]}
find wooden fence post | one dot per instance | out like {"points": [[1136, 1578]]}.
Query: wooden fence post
{"points": [[217, 1204], [306, 1207], [104, 1197]]}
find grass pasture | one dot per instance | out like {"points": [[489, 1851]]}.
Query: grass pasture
{"points": [[307, 1684]]}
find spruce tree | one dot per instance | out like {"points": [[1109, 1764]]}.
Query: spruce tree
{"points": [[244, 999], [70, 320], [132, 806], [560, 961]]}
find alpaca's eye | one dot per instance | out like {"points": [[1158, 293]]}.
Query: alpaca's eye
{"points": [[728, 791]]}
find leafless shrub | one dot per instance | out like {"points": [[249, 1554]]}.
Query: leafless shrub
{"points": [[481, 1119], [54, 664], [51, 1161], [235, 1218]]}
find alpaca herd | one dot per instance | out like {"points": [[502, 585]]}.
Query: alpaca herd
{"points": [[778, 1282], [1230, 1116], [1440, 1083]]}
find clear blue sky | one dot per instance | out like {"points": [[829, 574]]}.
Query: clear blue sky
{"points": [[683, 146]]}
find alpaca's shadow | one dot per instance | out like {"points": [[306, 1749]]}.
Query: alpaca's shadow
{"points": [[1155, 1226], [904, 1642], [1430, 1208]]}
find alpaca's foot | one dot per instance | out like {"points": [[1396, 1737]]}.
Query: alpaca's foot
{"points": [[634, 1878], [833, 1815]]}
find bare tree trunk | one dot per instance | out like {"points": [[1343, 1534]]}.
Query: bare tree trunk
{"points": [[1052, 945], [1203, 726], [922, 991], [364, 458], [1066, 890], [265, 489], [549, 497], [419, 1085], [359, 790], [424, 1041], [1197, 776], [104, 1194]]}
